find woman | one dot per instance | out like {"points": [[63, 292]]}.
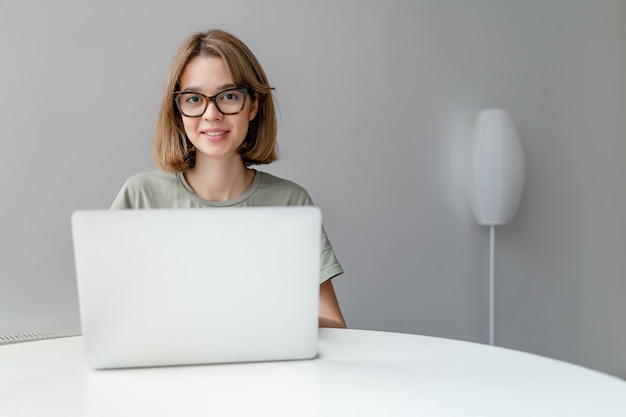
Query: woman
{"points": [[217, 119]]}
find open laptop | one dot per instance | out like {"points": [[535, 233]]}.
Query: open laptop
{"points": [[197, 286]]}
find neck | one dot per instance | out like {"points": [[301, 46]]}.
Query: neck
{"points": [[219, 180]]}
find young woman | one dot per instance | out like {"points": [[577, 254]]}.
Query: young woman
{"points": [[217, 119]]}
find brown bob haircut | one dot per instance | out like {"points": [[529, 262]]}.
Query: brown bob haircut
{"points": [[172, 150]]}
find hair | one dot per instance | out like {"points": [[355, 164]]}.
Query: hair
{"points": [[171, 148]]}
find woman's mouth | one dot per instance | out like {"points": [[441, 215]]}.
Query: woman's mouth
{"points": [[214, 135]]}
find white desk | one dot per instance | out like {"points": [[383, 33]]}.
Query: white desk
{"points": [[358, 373]]}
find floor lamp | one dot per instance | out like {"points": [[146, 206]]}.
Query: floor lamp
{"points": [[495, 178]]}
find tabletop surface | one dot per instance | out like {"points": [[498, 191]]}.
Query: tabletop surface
{"points": [[357, 372]]}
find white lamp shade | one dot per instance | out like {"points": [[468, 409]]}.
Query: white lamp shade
{"points": [[495, 168]]}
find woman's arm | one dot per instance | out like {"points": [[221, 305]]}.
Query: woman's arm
{"points": [[330, 313]]}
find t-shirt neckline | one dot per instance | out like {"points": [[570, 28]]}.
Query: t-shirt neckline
{"points": [[249, 191]]}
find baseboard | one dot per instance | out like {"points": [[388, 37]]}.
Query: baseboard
{"points": [[31, 336]]}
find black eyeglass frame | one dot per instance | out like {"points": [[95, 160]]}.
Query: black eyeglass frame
{"points": [[244, 90]]}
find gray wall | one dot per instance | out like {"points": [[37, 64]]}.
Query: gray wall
{"points": [[376, 100]]}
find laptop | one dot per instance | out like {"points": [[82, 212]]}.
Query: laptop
{"points": [[197, 286]]}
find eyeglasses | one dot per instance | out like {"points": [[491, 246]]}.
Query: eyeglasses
{"points": [[192, 104]]}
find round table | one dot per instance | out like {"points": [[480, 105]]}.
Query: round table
{"points": [[357, 373]]}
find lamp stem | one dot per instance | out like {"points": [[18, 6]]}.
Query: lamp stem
{"points": [[491, 284]]}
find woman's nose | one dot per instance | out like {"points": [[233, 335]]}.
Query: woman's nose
{"points": [[212, 112]]}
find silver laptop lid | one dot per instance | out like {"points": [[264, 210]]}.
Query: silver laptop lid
{"points": [[194, 286]]}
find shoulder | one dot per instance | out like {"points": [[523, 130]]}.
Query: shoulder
{"points": [[151, 179], [273, 181], [147, 190], [280, 191]]}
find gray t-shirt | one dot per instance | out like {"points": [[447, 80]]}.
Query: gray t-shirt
{"points": [[159, 189]]}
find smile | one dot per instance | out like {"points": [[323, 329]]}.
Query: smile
{"points": [[215, 133]]}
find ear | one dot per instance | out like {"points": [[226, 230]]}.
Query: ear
{"points": [[254, 108]]}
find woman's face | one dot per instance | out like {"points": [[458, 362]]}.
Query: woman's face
{"points": [[216, 136]]}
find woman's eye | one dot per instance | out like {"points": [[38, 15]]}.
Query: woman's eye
{"points": [[229, 97], [193, 99]]}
